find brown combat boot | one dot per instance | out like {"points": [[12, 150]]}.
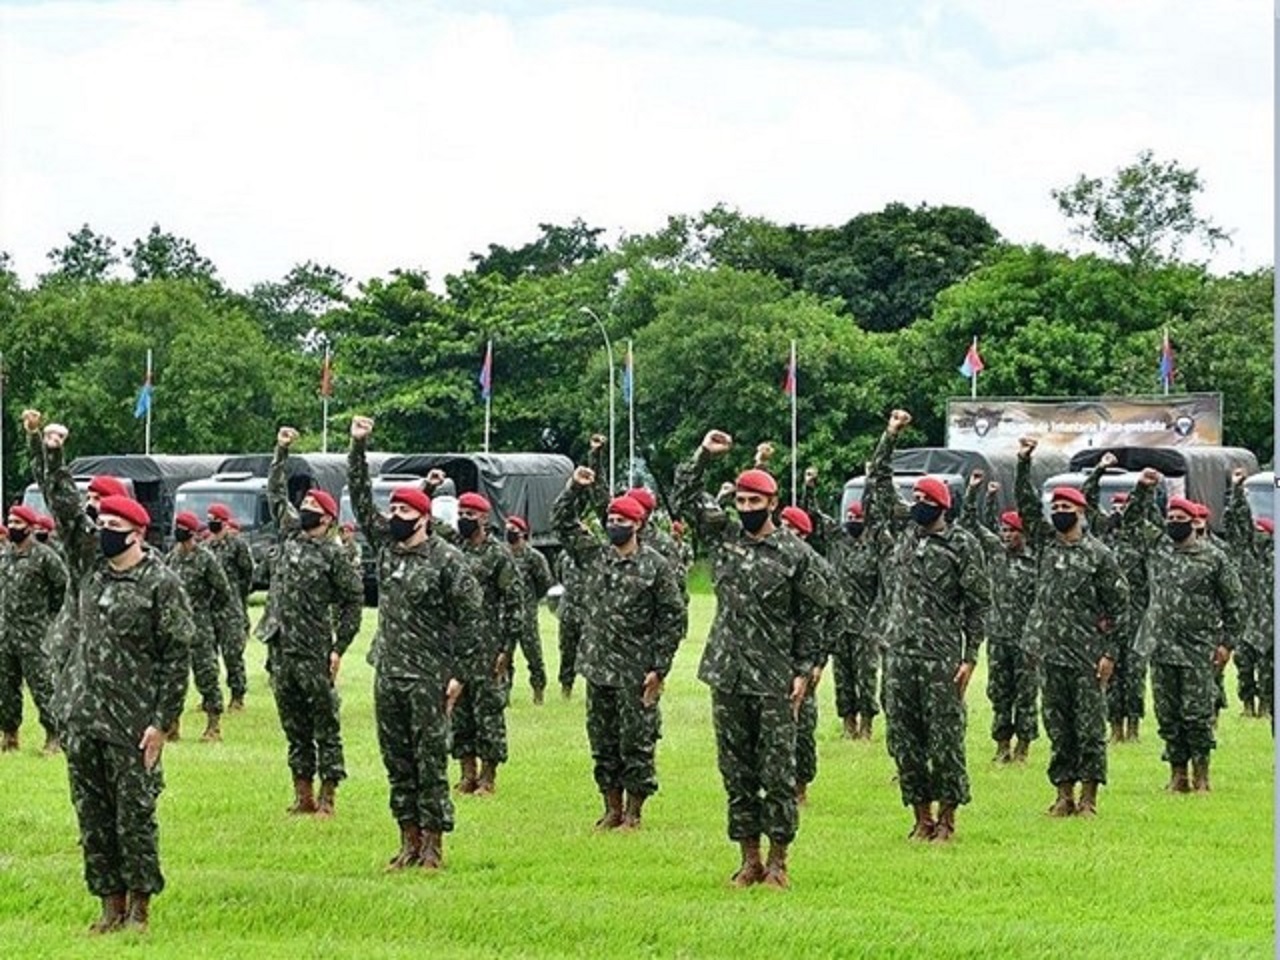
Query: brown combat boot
{"points": [[802, 793], [925, 824], [1117, 731], [1088, 804], [631, 816], [539, 695], [613, 815], [410, 847], [1020, 750], [9, 741], [52, 744], [946, 827], [850, 727], [114, 911], [752, 870], [1065, 805], [566, 691], [174, 731], [1179, 783], [236, 705], [213, 729], [469, 779], [1200, 774], [432, 850], [1003, 754], [304, 798], [139, 911], [328, 796], [864, 726], [1132, 734], [775, 871], [486, 785], [1249, 710]]}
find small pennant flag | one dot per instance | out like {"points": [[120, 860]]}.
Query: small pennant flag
{"points": [[628, 376], [789, 378], [143, 405], [972, 365], [486, 373], [1167, 366], [326, 376]]}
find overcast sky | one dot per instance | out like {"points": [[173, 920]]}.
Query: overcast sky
{"points": [[375, 135]]}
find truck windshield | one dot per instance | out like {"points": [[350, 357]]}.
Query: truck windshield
{"points": [[1262, 500], [243, 505], [381, 500]]}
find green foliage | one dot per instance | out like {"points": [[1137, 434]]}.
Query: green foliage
{"points": [[161, 255], [87, 258], [558, 250]]}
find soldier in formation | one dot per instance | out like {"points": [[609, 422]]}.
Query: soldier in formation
{"points": [[535, 581], [237, 563]]}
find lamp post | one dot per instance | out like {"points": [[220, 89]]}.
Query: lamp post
{"points": [[608, 349]]}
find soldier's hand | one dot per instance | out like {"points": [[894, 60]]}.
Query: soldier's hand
{"points": [[361, 427], [993, 487], [815, 678], [31, 421], [55, 435], [726, 489], [151, 745], [1221, 657], [898, 421], [1108, 460], [652, 688], [963, 674], [286, 436], [810, 476], [1027, 446], [764, 453], [598, 441], [500, 666], [1106, 666], [1238, 475], [717, 442], [583, 476], [799, 687], [435, 476], [1149, 477], [976, 478], [451, 695], [335, 664]]}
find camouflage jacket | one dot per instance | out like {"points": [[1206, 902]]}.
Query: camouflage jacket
{"points": [[1195, 592], [570, 578], [1256, 562], [770, 599], [33, 583], [1013, 579], [654, 536], [1132, 559], [937, 587], [309, 577], [124, 662], [857, 564], [237, 563], [503, 606], [214, 605], [635, 615], [535, 578], [1081, 593]]}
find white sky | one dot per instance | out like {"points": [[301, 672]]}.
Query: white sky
{"points": [[374, 135]]}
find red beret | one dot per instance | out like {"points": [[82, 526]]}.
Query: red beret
{"points": [[24, 513], [324, 500], [797, 518], [348, 527], [413, 497], [219, 511], [1119, 498], [187, 520], [1068, 495], [1201, 510], [1011, 520], [126, 508], [105, 486], [627, 507], [519, 523], [757, 481], [935, 490], [643, 497], [1266, 525], [46, 522], [473, 501], [1186, 506], [855, 510]]}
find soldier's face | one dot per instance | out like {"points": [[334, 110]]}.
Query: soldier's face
{"points": [[1180, 516], [796, 530], [1012, 538], [748, 500]]}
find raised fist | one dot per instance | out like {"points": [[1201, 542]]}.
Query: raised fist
{"points": [[993, 487], [726, 489], [55, 435], [1027, 446], [898, 420], [31, 421], [286, 436], [583, 476], [764, 453], [361, 427], [435, 476], [717, 442], [1108, 460], [810, 476], [976, 478], [598, 441], [1149, 477], [1238, 475]]}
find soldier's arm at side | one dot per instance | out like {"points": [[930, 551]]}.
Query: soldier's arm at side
{"points": [[467, 608], [975, 601], [1231, 598], [174, 635], [809, 609], [372, 523], [541, 573], [54, 575], [508, 580]]}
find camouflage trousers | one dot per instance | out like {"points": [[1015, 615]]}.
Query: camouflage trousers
{"points": [[1013, 687], [115, 801], [570, 637], [1266, 680], [308, 704], [622, 732], [1248, 675], [1184, 700], [1127, 691], [19, 661], [531, 647], [806, 738], [756, 754], [480, 720], [413, 737], [232, 653], [855, 662], [926, 730], [204, 666], [1075, 720]]}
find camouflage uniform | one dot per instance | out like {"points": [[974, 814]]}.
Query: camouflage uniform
{"points": [[833, 628], [237, 563], [1013, 673], [535, 581], [766, 633], [634, 624], [310, 578], [1080, 595], [33, 582], [121, 668], [938, 593], [1194, 593], [215, 612], [569, 614], [428, 621], [1256, 553]]}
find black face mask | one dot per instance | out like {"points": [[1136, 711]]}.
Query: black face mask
{"points": [[310, 519], [18, 534], [215, 526], [854, 528], [1064, 520], [42, 537], [182, 534], [926, 514], [467, 527], [1115, 520], [1178, 530], [402, 528], [514, 536], [753, 520], [91, 511], [113, 542], [619, 533]]}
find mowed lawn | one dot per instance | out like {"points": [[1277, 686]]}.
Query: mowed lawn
{"points": [[1154, 875]]}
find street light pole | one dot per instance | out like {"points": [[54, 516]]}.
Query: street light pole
{"points": [[608, 349]]}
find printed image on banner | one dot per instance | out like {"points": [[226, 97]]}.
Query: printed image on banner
{"points": [[1068, 425]]}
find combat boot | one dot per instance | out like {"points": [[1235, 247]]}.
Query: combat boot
{"points": [[213, 729], [775, 871], [432, 850], [1178, 783], [1117, 731], [802, 793], [1002, 752], [850, 727], [485, 784], [631, 816], [925, 824], [114, 911], [1249, 709], [328, 796], [946, 826], [613, 815], [139, 911], [1133, 729], [1020, 750], [1088, 805], [469, 779], [864, 726], [410, 847], [237, 704], [304, 798], [752, 870], [539, 695], [1200, 774], [52, 744], [174, 732], [9, 741], [566, 691], [1065, 805]]}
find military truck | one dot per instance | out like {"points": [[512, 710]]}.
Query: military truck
{"points": [[1260, 491]]}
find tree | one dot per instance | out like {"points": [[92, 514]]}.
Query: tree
{"points": [[289, 309], [1143, 214], [557, 250], [163, 256], [87, 258]]}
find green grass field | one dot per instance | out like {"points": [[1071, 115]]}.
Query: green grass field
{"points": [[1154, 876]]}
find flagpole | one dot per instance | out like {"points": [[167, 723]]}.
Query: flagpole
{"points": [[631, 418], [488, 395], [1164, 355], [795, 390], [325, 390], [147, 436], [973, 381]]}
